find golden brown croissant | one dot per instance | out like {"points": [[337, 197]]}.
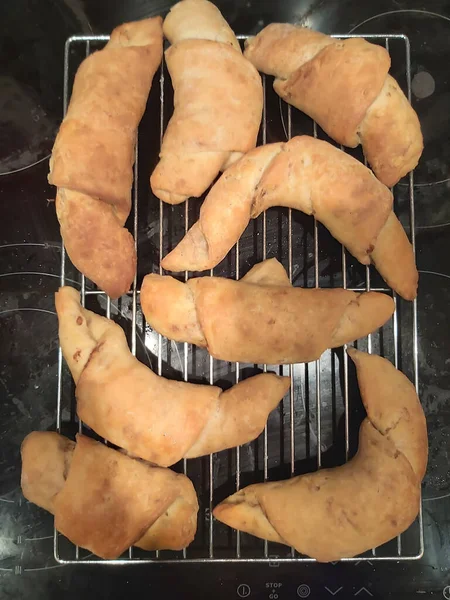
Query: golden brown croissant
{"points": [[261, 318], [218, 102], [93, 155], [345, 87], [341, 512], [104, 500], [151, 417], [312, 176]]}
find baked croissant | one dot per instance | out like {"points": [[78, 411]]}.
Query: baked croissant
{"points": [[218, 102], [104, 500], [345, 87], [312, 176], [151, 417], [261, 318], [93, 154], [341, 512]]}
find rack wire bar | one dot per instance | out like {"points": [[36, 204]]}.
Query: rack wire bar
{"points": [[306, 419]]}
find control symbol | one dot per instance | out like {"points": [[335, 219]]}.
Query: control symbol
{"points": [[243, 590], [303, 590]]}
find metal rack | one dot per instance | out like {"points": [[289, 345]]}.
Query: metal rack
{"points": [[301, 428]]}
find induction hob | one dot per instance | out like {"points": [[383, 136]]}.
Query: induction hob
{"points": [[30, 95]]}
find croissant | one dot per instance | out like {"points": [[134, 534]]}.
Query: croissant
{"points": [[341, 512], [345, 87], [104, 500], [93, 154], [261, 318], [218, 102], [312, 176], [151, 417]]}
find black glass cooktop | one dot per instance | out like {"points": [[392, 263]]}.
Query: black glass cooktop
{"points": [[31, 53]]}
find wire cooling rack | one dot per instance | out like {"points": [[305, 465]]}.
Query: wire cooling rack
{"points": [[317, 423]]}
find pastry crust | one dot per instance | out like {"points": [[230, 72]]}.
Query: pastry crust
{"points": [[261, 318], [218, 102], [345, 87], [93, 155], [104, 500], [154, 418], [313, 176], [342, 512]]}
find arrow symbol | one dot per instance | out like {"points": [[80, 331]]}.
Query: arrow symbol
{"points": [[363, 589], [365, 561], [335, 592]]}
